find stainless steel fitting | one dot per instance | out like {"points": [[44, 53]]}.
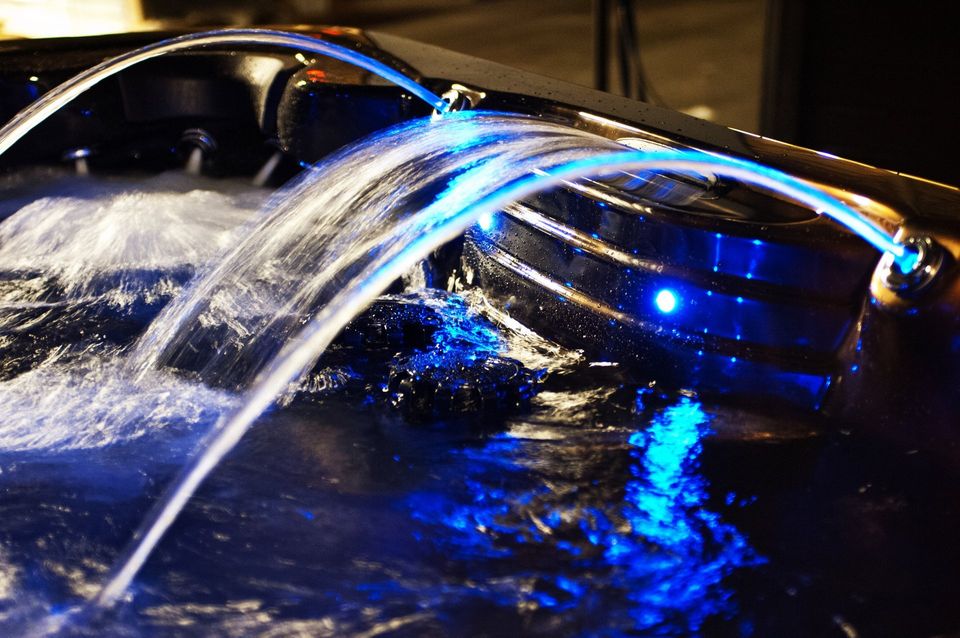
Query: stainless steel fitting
{"points": [[928, 259], [199, 138]]}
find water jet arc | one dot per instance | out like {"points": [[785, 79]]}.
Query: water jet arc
{"points": [[56, 98], [303, 350]]}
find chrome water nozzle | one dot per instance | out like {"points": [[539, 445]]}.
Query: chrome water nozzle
{"points": [[199, 144], [915, 269], [461, 98], [456, 100], [198, 138]]}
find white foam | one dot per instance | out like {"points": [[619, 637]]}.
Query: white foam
{"points": [[100, 226], [93, 403]]}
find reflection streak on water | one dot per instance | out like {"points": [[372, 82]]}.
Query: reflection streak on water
{"points": [[657, 544], [665, 504]]}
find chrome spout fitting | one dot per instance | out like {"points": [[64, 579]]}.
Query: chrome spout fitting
{"points": [[199, 145], [456, 100], [461, 98], [906, 279], [198, 138]]}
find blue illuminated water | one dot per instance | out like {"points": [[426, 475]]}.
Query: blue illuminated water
{"points": [[436, 474], [273, 304], [421, 522]]}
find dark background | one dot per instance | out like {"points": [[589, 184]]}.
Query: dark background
{"points": [[872, 81]]}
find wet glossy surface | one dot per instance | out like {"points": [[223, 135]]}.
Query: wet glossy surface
{"points": [[602, 508], [435, 477]]}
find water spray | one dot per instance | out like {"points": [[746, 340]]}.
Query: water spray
{"points": [[431, 228]]}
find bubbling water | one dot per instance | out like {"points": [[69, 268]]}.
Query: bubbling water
{"points": [[100, 233], [100, 256], [90, 403], [289, 279], [483, 163]]}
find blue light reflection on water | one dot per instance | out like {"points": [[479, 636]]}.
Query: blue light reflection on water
{"points": [[461, 371], [658, 546], [461, 328], [693, 548]]}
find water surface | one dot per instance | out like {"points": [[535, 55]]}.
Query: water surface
{"points": [[436, 474]]}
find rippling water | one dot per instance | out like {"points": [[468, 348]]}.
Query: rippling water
{"points": [[441, 472]]}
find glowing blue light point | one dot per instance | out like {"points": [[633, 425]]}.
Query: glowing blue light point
{"points": [[666, 301], [485, 222]]}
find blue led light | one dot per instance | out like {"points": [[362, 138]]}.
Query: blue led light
{"points": [[485, 222], [666, 301]]}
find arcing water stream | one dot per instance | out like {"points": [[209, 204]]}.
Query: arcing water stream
{"points": [[287, 282], [482, 162], [102, 397], [55, 99]]}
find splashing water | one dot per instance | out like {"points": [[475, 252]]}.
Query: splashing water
{"points": [[84, 269], [105, 234], [491, 161], [308, 251], [300, 262], [322, 232], [90, 403]]}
